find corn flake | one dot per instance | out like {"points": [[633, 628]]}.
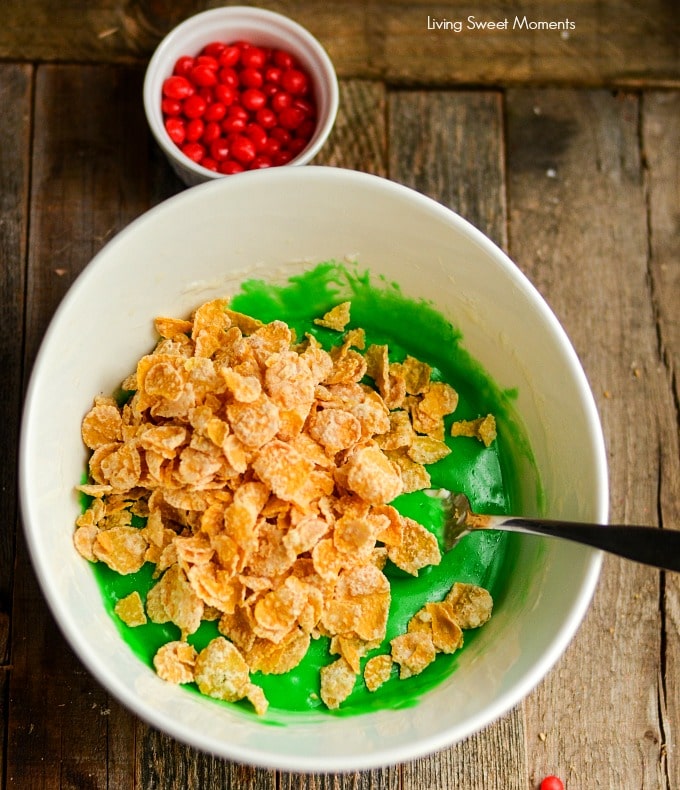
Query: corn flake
{"points": [[337, 683], [173, 599], [438, 621], [483, 428], [174, 662], [471, 605], [272, 658], [283, 469], [335, 430], [121, 548], [413, 652], [377, 671], [426, 450], [84, 538], [221, 671], [254, 423], [102, 424], [131, 610], [418, 548], [336, 318], [372, 476]]}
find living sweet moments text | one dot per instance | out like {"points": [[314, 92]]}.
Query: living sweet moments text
{"points": [[517, 23]]}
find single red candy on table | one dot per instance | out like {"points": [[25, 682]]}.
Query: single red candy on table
{"points": [[552, 783]]}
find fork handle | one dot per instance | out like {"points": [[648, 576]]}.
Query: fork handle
{"points": [[649, 545]]}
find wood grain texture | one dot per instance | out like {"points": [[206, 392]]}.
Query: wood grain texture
{"points": [[660, 132], [613, 42], [449, 145], [380, 779], [163, 763], [15, 131], [578, 228], [493, 757], [89, 180], [359, 137]]}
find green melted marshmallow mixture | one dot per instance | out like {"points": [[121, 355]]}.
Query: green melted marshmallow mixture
{"points": [[488, 475]]}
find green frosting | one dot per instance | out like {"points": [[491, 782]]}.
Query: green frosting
{"points": [[489, 476]]}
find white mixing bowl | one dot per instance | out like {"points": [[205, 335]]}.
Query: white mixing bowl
{"points": [[202, 244]]}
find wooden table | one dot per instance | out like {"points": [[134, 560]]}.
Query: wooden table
{"points": [[560, 145]]}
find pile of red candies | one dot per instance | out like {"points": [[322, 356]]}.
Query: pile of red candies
{"points": [[237, 106]]}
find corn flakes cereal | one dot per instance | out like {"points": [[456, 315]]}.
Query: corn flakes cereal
{"points": [[254, 423], [102, 424], [389, 380], [131, 610], [417, 549], [283, 469], [264, 468], [372, 476], [361, 604], [121, 548], [400, 433], [377, 671], [171, 328], [335, 429], [83, 540], [337, 683], [336, 318], [349, 366], [483, 428], [273, 658], [437, 620], [255, 695], [426, 450], [472, 605], [306, 534], [173, 599], [351, 648], [175, 662], [416, 375], [244, 388], [210, 322], [414, 476], [221, 671], [413, 652]]}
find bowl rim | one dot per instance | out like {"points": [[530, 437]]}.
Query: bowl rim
{"points": [[240, 14], [260, 757]]}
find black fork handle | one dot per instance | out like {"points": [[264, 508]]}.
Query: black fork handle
{"points": [[649, 545]]}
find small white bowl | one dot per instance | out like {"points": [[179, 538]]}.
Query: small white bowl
{"points": [[239, 23], [177, 256]]}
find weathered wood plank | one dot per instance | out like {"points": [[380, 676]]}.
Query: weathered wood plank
{"points": [[15, 130], [578, 229], [359, 137], [494, 757], [163, 762], [660, 133], [612, 42], [90, 167], [91, 176], [381, 779], [449, 145]]}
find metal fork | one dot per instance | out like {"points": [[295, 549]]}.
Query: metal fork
{"points": [[648, 545]]}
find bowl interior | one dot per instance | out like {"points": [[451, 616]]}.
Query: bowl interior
{"points": [[204, 243], [233, 23]]}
